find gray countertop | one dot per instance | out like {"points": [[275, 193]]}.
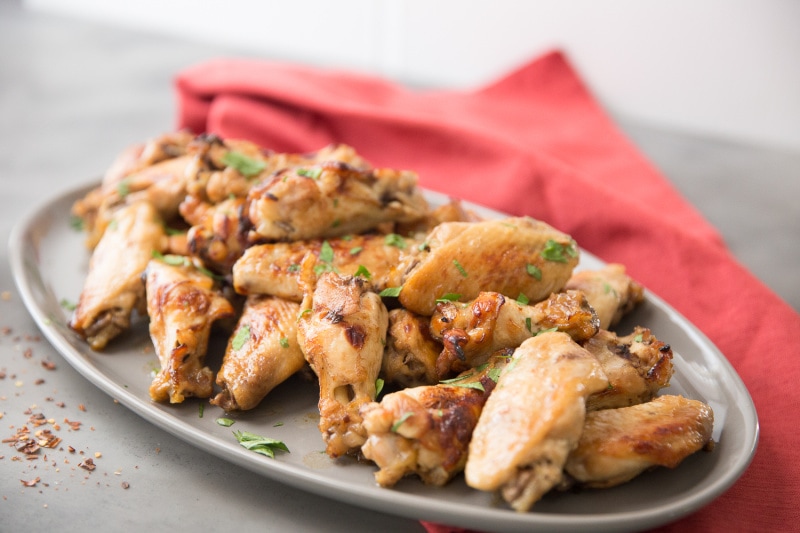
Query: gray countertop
{"points": [[72, 95]]}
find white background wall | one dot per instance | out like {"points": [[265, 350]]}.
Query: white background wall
{"points": [[724, 67]]}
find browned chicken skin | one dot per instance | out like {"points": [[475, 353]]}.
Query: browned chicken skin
{"points": [[409, 359], [514, 256], [183, 305], [637, 366], [275, 268], [471, 332], [114, 288], [426, 430], [619, 444], [262, 353], [342, 330]]}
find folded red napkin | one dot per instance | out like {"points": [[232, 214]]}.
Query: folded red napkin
{"points": [[537, 143]]}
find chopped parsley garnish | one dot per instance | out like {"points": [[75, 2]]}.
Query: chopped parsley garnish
{"points": [[173, 231], [247, 166], [284, 342], [76, 223], [391, 291], [66, 304], [393, 239], [558, 252], [424, 246], [241, 337], [201, 409], [400, 421], [494, 373], [638, 338], [124, 187], [326, 252], [293, 268], [529, 325], [225, 422], [470, 385], [449, 297], [313, 173], [356, 250], [259, 444], [534, 271], [522, 299], [378, 386], [363, 272], [460, 268], [171, 259], [548, 330]]}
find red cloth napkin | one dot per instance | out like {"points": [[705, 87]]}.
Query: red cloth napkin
{"points": [[537, 143]]}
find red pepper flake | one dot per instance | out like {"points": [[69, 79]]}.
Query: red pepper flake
{"points": [[5, 330], [73, 424], [87, 464], [27, 446], [60, 404], [81, 407], [37, 419], [49, 365], [28, 353], [39, 381], [30, 483], [2, 374], [70, 449], [126, 485]]}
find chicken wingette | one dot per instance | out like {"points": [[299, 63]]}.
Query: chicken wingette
{"points": [[183, 303], [472, 331], [533, 419], [426, 430], [261, 354], [409, 359], [113, 288], [518, 257], [618, 444]]}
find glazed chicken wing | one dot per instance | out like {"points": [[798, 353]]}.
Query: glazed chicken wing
{"points": [[341, 331], [114, 288], [533, 419], [512, 256], [216, 237], [619, 444], [610, 291], [331, 199], [183, 305], [426, 430], [262, 353], [471, 332], [637, 366], [275, 268]]}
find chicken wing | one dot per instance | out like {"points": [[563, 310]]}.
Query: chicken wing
{"points": [[114, 288], [637, 366], [217, 237], [409, 359], [514, 256], [533, 419], [619, 444], [262, 353], [426, 430], [183, 305], [331, 199], [341, 331], [275, 268], [609, 290], [471, 332]]}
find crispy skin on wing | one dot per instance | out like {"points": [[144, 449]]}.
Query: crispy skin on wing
{"points": [[609, 290], [512, 256], [183, 305], [262, 353], [619, 444], [533, 419], [426, 430], [473, 331], [637, 366], [216, 238], [114, 286], [409, 359], [331, 199], [274, 268], [341, 330]]}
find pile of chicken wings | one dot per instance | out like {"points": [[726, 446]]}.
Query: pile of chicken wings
{"points": [[495, 355]]}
